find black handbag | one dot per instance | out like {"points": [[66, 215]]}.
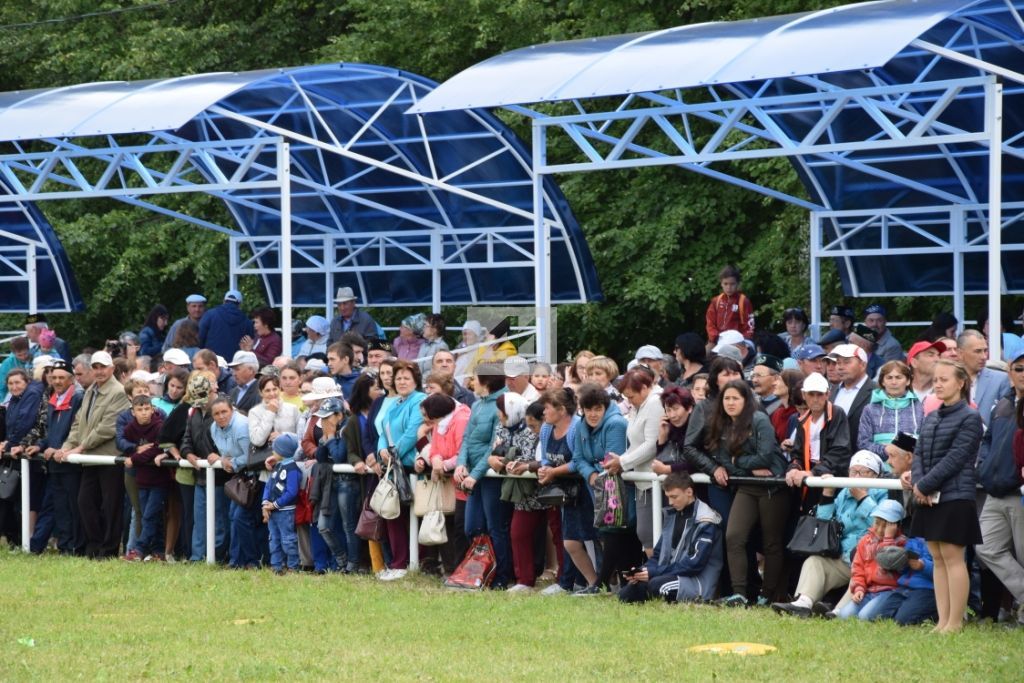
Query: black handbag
{"points": [[815, 536], [257, 460], [398, 473], [243, 489], [10, 480], [555, 495]]}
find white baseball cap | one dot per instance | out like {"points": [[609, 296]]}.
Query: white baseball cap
{"points": [[730, 337], [101, 358], [849, 351], [176, 357], [648, 352], [815, 382], [242, 357]]}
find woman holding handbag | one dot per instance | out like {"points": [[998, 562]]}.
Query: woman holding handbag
{"points": [[230, 433], [398, 442], [485, 511], [440, 438], [603, 431]]}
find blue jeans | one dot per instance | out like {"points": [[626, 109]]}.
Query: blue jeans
{"points": [[221, 523], [151, 502], [245, 542], [487, 513], [870, 608], [45, 522], [67, 527], [910, 606], [284, 544], [349, 505]]}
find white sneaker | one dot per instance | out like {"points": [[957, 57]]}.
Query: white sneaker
{"points": [[394, 574], [553, 589], [383, 574], [520, 588]]}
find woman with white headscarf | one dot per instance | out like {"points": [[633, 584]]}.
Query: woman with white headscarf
{"points": [[472, 333]]}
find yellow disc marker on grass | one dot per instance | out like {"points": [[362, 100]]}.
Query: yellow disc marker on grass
{"points": [[742, 649]]}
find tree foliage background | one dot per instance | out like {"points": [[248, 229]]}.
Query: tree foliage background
{"points": [[658, 236]]}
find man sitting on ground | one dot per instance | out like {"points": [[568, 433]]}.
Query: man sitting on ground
{"points": [[688, 558]]}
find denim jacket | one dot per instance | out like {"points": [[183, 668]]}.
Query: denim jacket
{"points": [[232, 442]]}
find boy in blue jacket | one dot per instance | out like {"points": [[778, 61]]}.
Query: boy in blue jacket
{"points": [[279, 497], [913, 602], [688, 557]]}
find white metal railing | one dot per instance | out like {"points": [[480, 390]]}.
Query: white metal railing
{"points": [[211, 532]]}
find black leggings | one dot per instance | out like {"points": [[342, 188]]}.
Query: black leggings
{"points": [[756, 506]]}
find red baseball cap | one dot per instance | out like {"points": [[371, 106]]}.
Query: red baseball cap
{"points": [[920, 346]]}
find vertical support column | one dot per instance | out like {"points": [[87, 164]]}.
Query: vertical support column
{"points": [[26, 485], [414, 542], [958, 238], [815, 275], [234, 245], [542, 246], [656, 507], [211, 516], [284, 170], [436, 256], [329, 277], [994, 122], [33, 280]]}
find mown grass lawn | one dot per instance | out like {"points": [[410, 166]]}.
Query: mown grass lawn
{"points": [[112, 620]]}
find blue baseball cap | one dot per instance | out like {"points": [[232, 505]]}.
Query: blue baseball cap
{"points": [[889, 510], [809, 352], [875, 309]]}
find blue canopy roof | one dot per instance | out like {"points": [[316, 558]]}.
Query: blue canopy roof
{"points": [[894, 44], [366, 178]]}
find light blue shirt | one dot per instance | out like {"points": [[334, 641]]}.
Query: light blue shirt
{"points": [[232, 442]]}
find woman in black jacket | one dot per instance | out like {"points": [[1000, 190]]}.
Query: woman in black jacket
{"points": [[944, 482], [738, 441]]}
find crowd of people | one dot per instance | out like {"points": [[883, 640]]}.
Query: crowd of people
{"points": [[758, 412]]}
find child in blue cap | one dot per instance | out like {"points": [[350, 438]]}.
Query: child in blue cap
{"points": [[279, 497]]}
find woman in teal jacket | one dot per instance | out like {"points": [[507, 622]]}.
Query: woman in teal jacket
{"points": [[398, 431], [603, 430], [485, 511]]}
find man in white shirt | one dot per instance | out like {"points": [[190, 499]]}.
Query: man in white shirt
{"points": [[517, 378], [853, 392]]}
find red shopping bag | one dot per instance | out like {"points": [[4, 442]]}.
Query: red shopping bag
{"points": [[476, 571]]}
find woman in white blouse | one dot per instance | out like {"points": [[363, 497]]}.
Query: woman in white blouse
{"points": [[644, 418]]}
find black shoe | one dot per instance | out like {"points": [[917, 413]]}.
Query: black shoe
{"points": [[791, 609], [822, 609]]}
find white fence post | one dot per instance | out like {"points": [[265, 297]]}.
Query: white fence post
{"points": [[656, 509], [26, 536], [211, 514], [414, 541]]}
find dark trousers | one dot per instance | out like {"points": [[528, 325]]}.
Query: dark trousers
{"points": [[183, 548], [398, 539], [44, 523], [10, 519], [459, 538], [525, 524], [758, 507], [621, 551], [643, 591], [101, 506], [910, 606], [67, 522]]}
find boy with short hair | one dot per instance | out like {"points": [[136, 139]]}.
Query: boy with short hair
{"points": [[730, 310], [688, 557], [143, 431], [280, 495]]}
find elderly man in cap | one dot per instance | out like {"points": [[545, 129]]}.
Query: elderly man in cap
{"points": [[887, 347], [174, 359], [101, 491], [34, 326], [246, 394], [651, 357], [763, 379], [810, 358], [317, 329], [865, 337], [223, 326], [841, 318], [63, 478], [922, 358], [351, 319], [195, 306], [378, 350], [987, 384], [853, 392], [517, 378]]}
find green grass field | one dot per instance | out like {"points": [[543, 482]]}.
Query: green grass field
{"points": [[73, 619]]}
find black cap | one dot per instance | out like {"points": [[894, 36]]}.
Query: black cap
{"points": [[832, 337], [34, 318], [378, 344], [769, 361], [862, 330], [843, 312], [60, 364]]}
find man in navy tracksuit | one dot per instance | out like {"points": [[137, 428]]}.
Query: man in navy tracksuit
{"points": [[64, 477], [688, 557]]}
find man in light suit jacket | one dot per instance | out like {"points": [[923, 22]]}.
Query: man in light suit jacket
{"points": [[101, 491], [854, 389], [987, 385]]}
